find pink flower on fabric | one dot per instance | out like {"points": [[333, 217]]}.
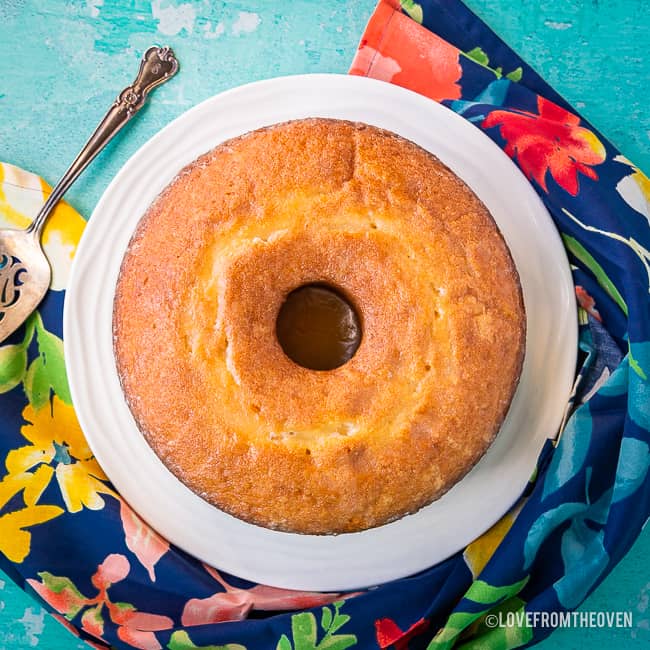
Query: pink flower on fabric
{"points": [[144, 542], [134, 627], [113, 569], [234, 604], [73, 630], [137, 628]]}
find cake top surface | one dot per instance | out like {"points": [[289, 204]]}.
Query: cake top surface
{"points": [[404, 240]]}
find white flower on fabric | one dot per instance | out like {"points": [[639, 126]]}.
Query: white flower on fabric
{"points": [[635, 189], [21, 196]]}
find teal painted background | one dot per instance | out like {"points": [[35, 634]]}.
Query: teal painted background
{"points": [[63, 61]]}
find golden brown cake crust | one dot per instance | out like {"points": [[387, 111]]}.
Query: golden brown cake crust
{"points": [[405, 240]]}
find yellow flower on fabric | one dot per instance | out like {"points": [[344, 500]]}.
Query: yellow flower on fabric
{"points": [[479, 552], [22, 195], [15, 541], [57, 442], [80, 486]]}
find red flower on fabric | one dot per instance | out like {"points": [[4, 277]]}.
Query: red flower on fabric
{"points": [[397, 49], [389, 634], [551, 141], [587, 302]]}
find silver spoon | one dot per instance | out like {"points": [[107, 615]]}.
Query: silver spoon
{"points": [[25, 272]]}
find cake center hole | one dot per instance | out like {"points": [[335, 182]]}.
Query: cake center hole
{"points": [[318, 328]]}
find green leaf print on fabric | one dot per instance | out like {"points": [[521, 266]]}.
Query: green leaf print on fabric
{"points": [[479, 592], [581, 253], [486, 594], [456, 623], [479, 56], [634, 364], [13, 366], [36, 384], [515, 75], [413, 9], [304, 631], [284, 643], [326, 619], [638, 249], [50, 349], [46, 373], [180, 640], [69, 599], [13, 359], [484, 637]]}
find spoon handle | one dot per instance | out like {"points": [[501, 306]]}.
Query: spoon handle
{"points": [[158, 64]]}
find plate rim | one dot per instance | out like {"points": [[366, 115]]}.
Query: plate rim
{"points": [[316, 82]]}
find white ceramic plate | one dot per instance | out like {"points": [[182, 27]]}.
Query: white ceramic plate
{"points": [[414, 542]]}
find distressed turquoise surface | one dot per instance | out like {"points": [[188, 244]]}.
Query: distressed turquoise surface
{"points": [[62, 62]]}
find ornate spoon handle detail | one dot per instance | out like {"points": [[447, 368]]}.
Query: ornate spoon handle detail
{"points": [[158, 64]]}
